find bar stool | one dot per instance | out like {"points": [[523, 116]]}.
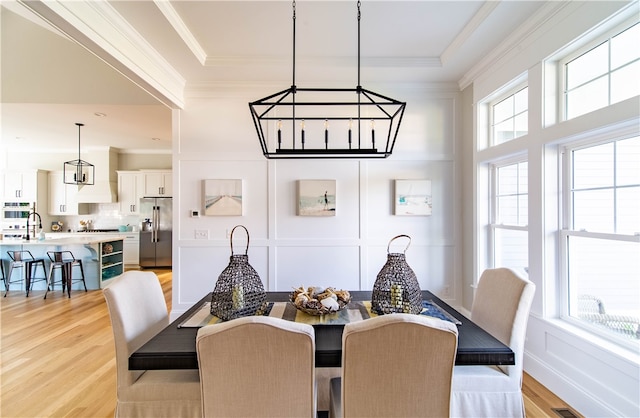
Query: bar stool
{"points": [[65, 261], [23, 259]]}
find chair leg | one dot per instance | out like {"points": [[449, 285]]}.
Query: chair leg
{"points": [[49, 280], [7, 281], [82, 275], [67, 276]]}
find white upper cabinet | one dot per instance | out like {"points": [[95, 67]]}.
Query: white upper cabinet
{"points": [[129, 192], [63, 198], [157, 183], [21, 186]]}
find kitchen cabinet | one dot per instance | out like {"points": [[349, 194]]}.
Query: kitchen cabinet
{"points": [[131, 245], [24, 186], [63, 198], [157, 183], [129, 192]]}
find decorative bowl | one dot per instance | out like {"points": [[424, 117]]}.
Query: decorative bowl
{"points": [[319, 301]]}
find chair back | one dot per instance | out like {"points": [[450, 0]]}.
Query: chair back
{"points": [[501, 307], [257, 366], [21, 255], [138, 312], [398, 365], [59, 256]]}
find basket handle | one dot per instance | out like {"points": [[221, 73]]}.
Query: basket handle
{"points": [[399, 236], [246, 251]]}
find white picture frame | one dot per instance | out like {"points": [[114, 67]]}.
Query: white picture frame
{"points": [[222, 197], [316, 198], [412, 198]]}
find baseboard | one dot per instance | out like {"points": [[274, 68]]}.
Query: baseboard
{"points": [[579, 399]]}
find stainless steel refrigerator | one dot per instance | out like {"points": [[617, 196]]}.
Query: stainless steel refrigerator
{"points": [[155, 235]]}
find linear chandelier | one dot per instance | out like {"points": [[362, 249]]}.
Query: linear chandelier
{"points": [[79, 172], [326, 122]]}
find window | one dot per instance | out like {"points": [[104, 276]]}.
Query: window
{"points": [[602, 236], [604, 74], [509, 116], [509, 217]]}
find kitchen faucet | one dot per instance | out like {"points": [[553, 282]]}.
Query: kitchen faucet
{"points": [[34, 213]]}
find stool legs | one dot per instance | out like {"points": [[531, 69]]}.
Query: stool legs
{"points": [[30, 270], [66, 268]]}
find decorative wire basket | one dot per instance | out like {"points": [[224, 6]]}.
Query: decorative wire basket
{"points": [[396, 288], [238, 291]]}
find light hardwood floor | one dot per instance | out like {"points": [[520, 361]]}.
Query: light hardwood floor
{"points": [[58, 359]]}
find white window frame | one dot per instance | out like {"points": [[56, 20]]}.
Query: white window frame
{"points": [[562, 74], [566, 232], [512, 91], [493, 205]]}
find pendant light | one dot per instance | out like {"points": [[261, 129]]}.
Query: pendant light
{"points": [[326, 122], [79, 172]]}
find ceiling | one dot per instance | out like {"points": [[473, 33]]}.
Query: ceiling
{"points": [[50, 82]]}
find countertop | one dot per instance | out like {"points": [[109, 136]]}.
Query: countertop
{"points": [[62, 241]]}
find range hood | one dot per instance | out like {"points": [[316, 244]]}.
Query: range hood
{"points": [[105, 189]]}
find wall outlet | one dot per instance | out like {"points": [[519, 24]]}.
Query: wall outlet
{"points": [[202, 234]]}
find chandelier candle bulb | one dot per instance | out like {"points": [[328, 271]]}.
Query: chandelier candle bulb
{"points": [[326, 133], [279, 133], [373, 134]]}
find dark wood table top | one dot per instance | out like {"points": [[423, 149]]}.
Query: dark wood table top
{"points": [[175, 348]]}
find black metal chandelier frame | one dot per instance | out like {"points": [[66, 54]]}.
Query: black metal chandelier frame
{"points": [[308, 106], [78, 172]]}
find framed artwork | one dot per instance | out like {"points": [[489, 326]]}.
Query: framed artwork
{"points": [[316, 198], [222, 197], [413, 198]]}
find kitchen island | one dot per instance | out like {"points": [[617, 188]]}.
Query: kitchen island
{"points": [[102, 257]]}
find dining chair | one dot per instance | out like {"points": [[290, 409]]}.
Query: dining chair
{"points": [[501, 307], [138, 312], [397, 365], [257, 366]]}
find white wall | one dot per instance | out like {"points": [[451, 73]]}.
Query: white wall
{"points": [[595, 377], [215, 139]]}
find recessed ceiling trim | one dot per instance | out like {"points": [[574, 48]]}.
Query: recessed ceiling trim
{"points": [[373, 62], [454, 47], [182, 29], [515, 40]]}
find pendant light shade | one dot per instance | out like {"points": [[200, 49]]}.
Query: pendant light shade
{"points": [[326, 122], [79, 172]]}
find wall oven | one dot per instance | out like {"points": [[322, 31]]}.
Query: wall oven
{"points": [[13, 211], [14, 219]]}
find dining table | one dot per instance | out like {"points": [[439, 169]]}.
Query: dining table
{"points": [[174, 347]]}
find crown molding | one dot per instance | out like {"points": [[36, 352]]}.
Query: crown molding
{"points": [[514, 41]]}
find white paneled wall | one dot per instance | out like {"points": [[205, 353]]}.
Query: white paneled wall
{"points": [[215, 139]]}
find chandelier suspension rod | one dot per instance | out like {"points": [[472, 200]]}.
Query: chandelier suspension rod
{"points": [[359, 87], [293, 81], [79, 125]]}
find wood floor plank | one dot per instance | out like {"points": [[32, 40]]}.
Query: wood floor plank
{"points": [[57, 357]]}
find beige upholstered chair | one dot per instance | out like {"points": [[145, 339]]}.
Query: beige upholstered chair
{"points": [[397, 365], [257, 366], [138, 312], [501, 306]]}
